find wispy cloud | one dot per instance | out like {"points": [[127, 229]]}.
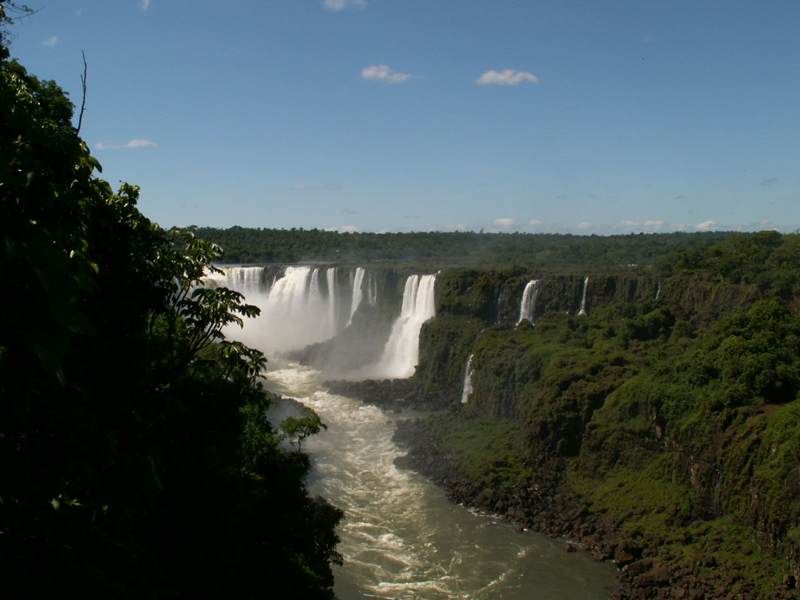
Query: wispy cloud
{"points": [[769, 182], [507, 77], [128, 144], [584, 226], [145, 4], [300, 188], [343, 229], [50, 41], [385, 74], [338, 5], [535, 223], [333, 186], [505, 223]]}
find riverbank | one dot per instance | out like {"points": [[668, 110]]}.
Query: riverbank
{"points": [[646, 569]]}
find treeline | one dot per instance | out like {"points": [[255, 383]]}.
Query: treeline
{"points": [[546, 251], [137, 459]]}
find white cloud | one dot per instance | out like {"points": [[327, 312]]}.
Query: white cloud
{"points": [[300, 188], [655, 223], [507, 77], [583, 226], [128, 144], [705, 225], [505, 223], [145, 4], [338, 5], [333, 186], [629, 223], [343, 229], [385, 74], [50, 41], [535, 223]]}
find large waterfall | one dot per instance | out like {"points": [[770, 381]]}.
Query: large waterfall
{"points": [[306, 305], [401, 354]]}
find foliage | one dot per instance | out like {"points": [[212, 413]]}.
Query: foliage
{"points": [[138, 462], [297, 429], [544, 251]]}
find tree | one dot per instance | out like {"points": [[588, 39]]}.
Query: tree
{"points": [[137, 458], [298, 429]]}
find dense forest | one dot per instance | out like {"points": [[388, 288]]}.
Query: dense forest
{"points": [[544, 251], [137, 458], [664, 418]]}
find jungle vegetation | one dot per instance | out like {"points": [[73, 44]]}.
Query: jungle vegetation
{"points": [[674, 415], [544, 251], [137, 460]]}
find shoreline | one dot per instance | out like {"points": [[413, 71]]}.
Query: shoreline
{"points": [[645, 572]]}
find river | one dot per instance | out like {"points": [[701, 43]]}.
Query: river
{"points": [[401, 539]]}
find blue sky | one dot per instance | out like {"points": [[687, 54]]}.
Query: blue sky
{"points": [[410, 115]]}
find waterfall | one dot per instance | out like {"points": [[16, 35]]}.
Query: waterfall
{"points": [[467, 389], [357, 296], [372, 290], [658, 290], [241, 279], [297, 310], [401, 353], [333, 312], [528, 304], [582, 311]]}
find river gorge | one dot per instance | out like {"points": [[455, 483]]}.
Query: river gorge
{"points": [[535, 390]]}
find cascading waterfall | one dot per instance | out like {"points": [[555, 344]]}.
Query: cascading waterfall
{"points": [[242, 279], [299, 308], [305, 306], [582, 311], [331, 280], [658, 290], [528, 304], [401, 354], [467, 388], [358, 295]]}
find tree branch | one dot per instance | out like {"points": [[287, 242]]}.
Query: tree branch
{"points": [[83, 101]]}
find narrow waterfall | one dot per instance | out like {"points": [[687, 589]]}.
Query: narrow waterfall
{"points": [[582, 311], [467, 389], [333, 308], [372, 290], [358, 295], [401, 354], [658, 290], [528, 304]]}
